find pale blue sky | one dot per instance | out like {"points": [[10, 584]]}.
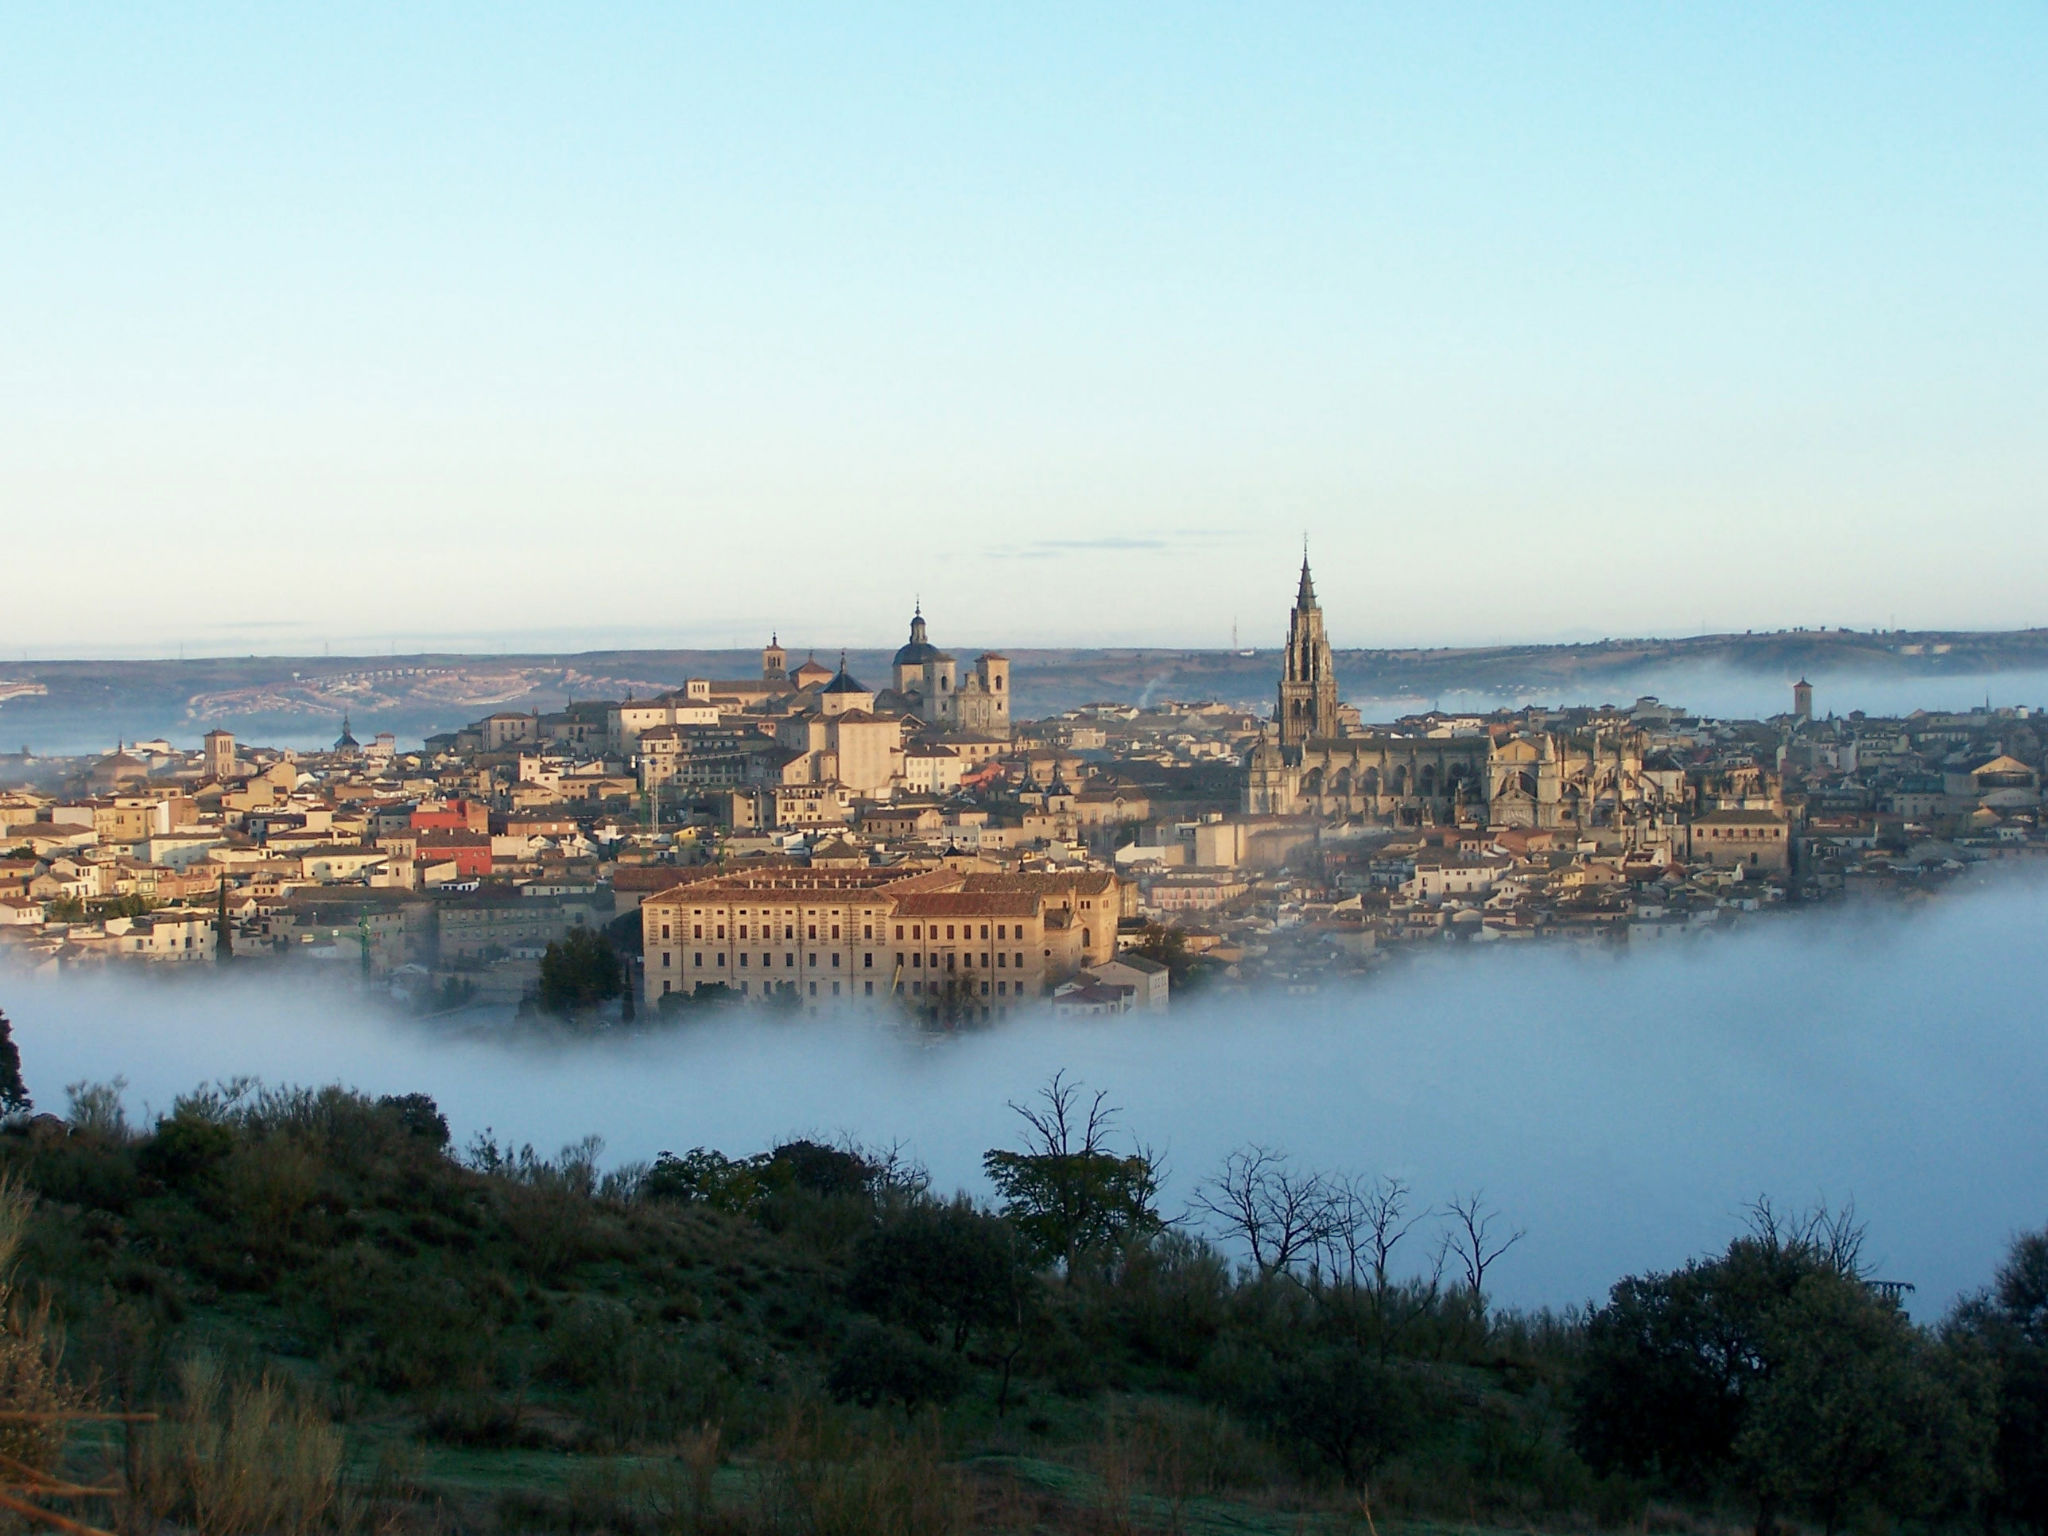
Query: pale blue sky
{"points": [[523, 326]]}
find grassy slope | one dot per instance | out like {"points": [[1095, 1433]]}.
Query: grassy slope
{"points": [[480, 1336]]}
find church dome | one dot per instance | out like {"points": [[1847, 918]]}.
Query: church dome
{"points": [[919, 649]]}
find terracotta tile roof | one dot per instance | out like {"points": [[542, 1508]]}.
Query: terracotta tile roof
{"points": [[967, 904]]}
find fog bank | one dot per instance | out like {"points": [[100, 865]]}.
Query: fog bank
{"points": [[1621, 1108], [1730, 693]]}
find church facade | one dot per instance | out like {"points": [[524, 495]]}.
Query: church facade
{"points": [[926, 680]]}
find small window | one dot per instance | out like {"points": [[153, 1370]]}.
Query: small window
{"points": [[697, 959], [867, 961]]}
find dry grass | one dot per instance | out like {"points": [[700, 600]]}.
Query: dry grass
{"points": [[31, 1350], [243, 1459], [829, 1478]]}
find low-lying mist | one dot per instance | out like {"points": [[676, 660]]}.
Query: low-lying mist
{"points": [[1731, 693], [1622, 1108]]}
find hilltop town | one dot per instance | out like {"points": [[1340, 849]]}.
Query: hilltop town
{"points": [[805, 835]]}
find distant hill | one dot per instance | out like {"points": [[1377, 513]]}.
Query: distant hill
{"points": [[300, 700]]}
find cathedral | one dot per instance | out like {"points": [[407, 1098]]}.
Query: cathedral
{"points": [[1315, 760]]}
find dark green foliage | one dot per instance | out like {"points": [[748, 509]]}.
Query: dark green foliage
{"points": [[419, 1115], [1340, 1402], [14, 1099], [1066, 1193], [879, 1365], [1851, 1414], [708, 995], [941, 1269], [752, 1184], [2005, 1332], [186, 1148], [504, 1304], [579, 972], [1775, 1370]]}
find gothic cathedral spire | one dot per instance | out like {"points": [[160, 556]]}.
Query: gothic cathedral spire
{"points": [[1308, 683]]}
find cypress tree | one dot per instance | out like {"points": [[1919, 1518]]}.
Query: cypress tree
{"points": [[14, 1099]]}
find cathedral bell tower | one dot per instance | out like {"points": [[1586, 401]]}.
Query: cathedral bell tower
{"points": [[1308, 683]]}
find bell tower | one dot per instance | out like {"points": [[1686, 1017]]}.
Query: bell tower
{"points": [[1308, 683]]}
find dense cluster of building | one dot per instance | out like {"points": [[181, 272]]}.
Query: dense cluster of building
{"points": [[801, 837]]}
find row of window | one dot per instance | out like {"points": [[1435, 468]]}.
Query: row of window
{"points": [[917, 960], [767, 930], [1002, 988]]}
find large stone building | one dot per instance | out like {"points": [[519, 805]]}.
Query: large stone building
{"points": [[927, 680], [946, 945], [1313, 761]]}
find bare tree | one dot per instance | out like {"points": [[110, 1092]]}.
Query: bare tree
{"points": [[1831, 1237], [1283, 1216], [1369, 1219], [1059, 1118], [1473, 1240], [1067, 1191]]}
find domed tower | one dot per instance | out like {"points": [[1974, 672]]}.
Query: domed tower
{"points": [[1308, 683], [923, 671]]}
